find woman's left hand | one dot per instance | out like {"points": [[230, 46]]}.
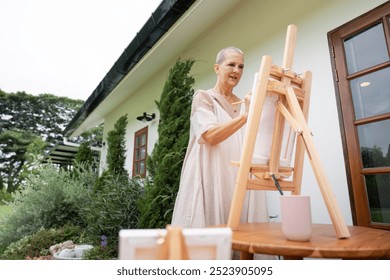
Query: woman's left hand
{"points": [[247, 100]]}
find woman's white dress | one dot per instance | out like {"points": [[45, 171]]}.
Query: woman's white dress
{"points": [[208, 177]]}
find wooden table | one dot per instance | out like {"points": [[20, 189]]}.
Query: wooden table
{"points": [[267, 238]]}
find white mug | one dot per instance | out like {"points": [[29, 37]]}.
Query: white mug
{"points": [[296, 217]]}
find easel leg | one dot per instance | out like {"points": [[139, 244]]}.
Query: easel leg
{"points": [[257, 103], [330, 201]]}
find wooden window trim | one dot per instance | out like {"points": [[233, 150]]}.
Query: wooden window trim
{"points": [[136, 134], [356, 183]]}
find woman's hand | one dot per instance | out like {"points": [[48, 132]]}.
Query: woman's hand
{"points": [[247, 101], [221, 132]]}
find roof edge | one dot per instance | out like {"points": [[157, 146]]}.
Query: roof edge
{"points": [[161, 20]]}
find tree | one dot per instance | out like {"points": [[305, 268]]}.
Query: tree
{"points": [[14, 146], [2, 187], [33, 158], [116, 153], [46, 115], [25, 117], [164, 164], [116, 156], [93, 136], [84, 154]]}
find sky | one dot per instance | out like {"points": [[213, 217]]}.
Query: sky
{"points": [[65, 47]]}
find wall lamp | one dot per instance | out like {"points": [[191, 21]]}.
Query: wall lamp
{"points": [[146, 117]]}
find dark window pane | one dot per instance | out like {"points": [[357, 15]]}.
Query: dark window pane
{"points": [[378, 192], [366, 49], [371, 94], [137, 141], [374, 139]]}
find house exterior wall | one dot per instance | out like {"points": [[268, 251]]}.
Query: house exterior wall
{"points": [[259, 28], [143, 101]]}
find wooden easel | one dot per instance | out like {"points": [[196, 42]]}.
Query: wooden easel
{"points": [[292, 106], [173, 246]]}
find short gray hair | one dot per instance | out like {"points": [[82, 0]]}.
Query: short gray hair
{"points": [[221, 54]]}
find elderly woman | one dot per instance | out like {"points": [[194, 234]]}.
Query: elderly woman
{"points": [[208, 178]]}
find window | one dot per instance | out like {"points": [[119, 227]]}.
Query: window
{"points": [[140, 152], [360, 57]]}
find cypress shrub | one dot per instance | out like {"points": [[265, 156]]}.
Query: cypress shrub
{"points": [[165, 162], [116, 154], [84, 154]]}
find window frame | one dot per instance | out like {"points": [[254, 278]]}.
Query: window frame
{"points": [[136, 148], [348, 125]]}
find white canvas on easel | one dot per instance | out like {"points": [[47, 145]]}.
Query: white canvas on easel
{"points": [[263, 144]]}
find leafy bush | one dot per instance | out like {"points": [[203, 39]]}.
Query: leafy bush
{"points": [[104, 251], [113, 204], [5, 197], [39, 243], [51, 199], [84, 154], [113, 208]]}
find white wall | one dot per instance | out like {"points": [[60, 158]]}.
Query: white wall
{"points": [[135, 105], [259, 28]]}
